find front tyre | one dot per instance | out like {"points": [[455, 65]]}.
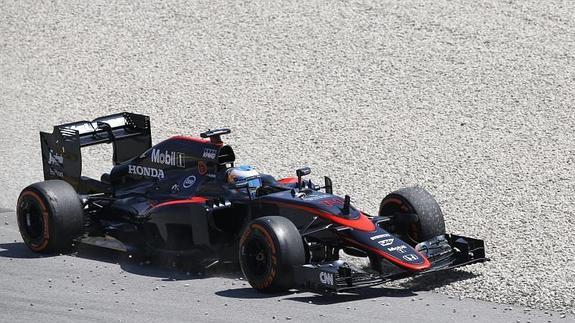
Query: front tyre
{"points": [[418, 201], [270, 248], [49, 216]]}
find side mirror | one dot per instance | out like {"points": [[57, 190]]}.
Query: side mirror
{"points": [[243, 185], [303, 171], [240, 185], [300, 173]]}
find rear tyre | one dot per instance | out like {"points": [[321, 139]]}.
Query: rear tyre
{"points": [[270, 248], [415, 200], [49, 216]]}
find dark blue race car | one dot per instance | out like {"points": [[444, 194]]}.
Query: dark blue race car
{"points": [[184, 198]]}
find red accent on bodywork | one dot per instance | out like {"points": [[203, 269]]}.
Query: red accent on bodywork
{"points": [[202, 167], [192, 200], [289, 180], [413, 267], [362, 223], [194, 139]]}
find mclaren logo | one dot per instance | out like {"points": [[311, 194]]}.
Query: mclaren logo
{"points": [[168, 158], [326, 278], [385, 242]]}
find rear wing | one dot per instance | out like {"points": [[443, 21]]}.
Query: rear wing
{"points": [[129, 134]]}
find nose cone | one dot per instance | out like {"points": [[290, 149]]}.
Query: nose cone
{"points": [[389, 247]]}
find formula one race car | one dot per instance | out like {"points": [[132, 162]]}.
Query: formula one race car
{"points": [[185, 198]]}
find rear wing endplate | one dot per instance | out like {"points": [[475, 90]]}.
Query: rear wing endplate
{"points": [[129, 134]]}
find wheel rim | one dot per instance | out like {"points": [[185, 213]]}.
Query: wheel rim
{"points": [[31, 221], [257, 257], [394, 206]]}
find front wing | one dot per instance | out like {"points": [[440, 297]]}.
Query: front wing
{"points": [[444, 252]]}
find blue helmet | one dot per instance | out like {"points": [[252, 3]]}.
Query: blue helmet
{"points": [[242, 173]]}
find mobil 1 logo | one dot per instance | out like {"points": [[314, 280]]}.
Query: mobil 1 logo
{"points": [[169, 158]]}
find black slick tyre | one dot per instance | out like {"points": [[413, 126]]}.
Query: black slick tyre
{"points": [[49, 216], [270, 247], [418, 201]]}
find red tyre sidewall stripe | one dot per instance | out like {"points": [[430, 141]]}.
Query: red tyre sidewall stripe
{"points": [[272, 275], [46, 229]]}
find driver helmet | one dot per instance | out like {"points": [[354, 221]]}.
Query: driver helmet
{"points": [[241, 173]]}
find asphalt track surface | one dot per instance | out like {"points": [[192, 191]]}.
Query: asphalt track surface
{"points": [[100, 286], [472, 100]]}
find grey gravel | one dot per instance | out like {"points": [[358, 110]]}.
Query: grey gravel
{"points": [[473, 100]]}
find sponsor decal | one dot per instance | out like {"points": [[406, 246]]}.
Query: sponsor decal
{"points": [[146, 171], [313, 197], [210, 153], [326, 278], [379, 236], [400, 249], [55, 159], [202, 167], [56, 163], [410, 257], [385, 242], [332, 202], [168, 158], [189, 181]]}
